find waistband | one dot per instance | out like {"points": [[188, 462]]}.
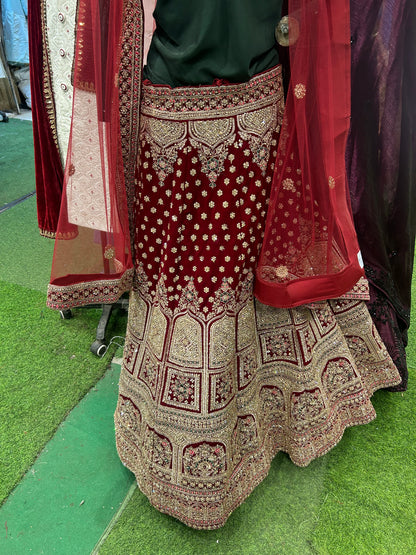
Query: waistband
{"points": [[217, 100]]}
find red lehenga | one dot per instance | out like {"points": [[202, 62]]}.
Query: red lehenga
{"points": [[214, 382]]}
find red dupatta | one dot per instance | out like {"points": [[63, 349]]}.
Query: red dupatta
{"points": [[310, 249]]}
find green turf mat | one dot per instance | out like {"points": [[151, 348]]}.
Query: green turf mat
{"points": [[25, 256], [17, 167], [370, 483], [76, 485], [45, 369]]}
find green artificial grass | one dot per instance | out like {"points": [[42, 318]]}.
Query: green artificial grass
{"points": [[370, 484], [46, 368], [25, 256], [17, 169], [358, 499]]}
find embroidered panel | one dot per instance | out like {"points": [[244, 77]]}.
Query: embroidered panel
{"points": [[186, 347], [59, 44]]}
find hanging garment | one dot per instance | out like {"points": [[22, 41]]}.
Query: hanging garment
{"points": [[381, 161]]}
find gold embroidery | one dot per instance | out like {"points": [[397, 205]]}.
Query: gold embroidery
{"points": [[187, 346], [291, 388], [257, 128], [300, 91], [47, 76], [212, 136], [165, 139], [157, 332], [107, 292], [130, 87], [219, 102]]}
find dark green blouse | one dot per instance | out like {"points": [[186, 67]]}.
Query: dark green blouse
{"points": [[197, 41]]}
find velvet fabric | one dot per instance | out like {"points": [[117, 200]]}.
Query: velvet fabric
{"points": [[48, 165], [381, 160]]}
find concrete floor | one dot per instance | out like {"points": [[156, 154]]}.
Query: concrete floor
{"points": [[24, 115]]}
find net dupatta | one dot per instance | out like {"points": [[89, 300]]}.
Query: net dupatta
{"points": [[310, 251], [92, 260]]}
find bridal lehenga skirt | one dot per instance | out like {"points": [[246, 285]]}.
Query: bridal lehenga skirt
{"points": [[213, 382]]}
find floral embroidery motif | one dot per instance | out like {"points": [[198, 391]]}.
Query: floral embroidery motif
{"points": [[257, 129], [272, 401], [325, 319], [166, 138], [149, 371], [211, 137], [289, 185], [277, 346], [307, 340], [221, 390], [300, 91], [109, 252], [129, 357], [182, 390], [189, 299], [224, 297], [246, 435], [107, 292], [358, 347], [130, 417], [215, 101], [248, 365], [204, 460]]}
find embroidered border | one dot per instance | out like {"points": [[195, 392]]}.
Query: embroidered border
{"points": [[92, 292], [47, 88], [216, 101]]}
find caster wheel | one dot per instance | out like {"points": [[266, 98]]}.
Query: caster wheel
{"points": [[98, 348], [66, 314]]}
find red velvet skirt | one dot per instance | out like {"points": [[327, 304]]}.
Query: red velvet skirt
{"points": [[213, 382]]}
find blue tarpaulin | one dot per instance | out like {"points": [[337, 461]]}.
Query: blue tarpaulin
{"points": [[14, 16]]}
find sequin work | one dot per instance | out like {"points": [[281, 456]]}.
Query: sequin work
{"points": [[214, 384]]}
